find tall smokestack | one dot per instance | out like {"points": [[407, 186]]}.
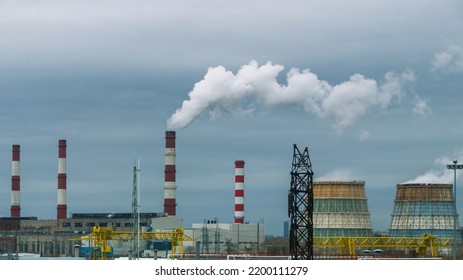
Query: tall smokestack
{"points": [[15, 183], [239, 192], [61, 208], [169, 175]]}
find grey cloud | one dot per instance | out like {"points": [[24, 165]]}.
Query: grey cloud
{"points": [[449, 60]]}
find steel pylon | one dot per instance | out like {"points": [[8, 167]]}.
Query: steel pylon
{"points": [[300, 206]]}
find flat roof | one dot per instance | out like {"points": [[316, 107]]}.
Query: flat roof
{"points": [[114, 215]]}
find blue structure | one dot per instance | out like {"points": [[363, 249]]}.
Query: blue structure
{"points": [[286, 229], [89, 251]]}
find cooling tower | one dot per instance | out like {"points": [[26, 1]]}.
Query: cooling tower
{"points": [[423, 208], [340, 209]]}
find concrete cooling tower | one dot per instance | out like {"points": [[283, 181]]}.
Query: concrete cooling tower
{"points": [[423, 208], [340, 209]]}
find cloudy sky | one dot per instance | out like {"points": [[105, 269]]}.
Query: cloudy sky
{"points": [[373, 89]]}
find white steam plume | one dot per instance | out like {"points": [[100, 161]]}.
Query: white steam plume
{"points": [[439, 174], [221, 90], [341, 174]]}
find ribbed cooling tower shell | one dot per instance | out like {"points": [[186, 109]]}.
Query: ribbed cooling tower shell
{"points": [[423, 208], [340, 209]]}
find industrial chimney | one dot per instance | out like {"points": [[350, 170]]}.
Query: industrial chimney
{"points": [[61, 208], [169, 175], [239, 192], [15, 183]]}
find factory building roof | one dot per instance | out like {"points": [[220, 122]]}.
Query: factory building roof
{"points": [[114, 215]]}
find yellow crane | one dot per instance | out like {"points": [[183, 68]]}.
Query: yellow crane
{"points": [[101, 235], [424, 245]]}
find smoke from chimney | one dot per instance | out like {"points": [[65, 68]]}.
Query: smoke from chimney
{"points": [[223, 91]]}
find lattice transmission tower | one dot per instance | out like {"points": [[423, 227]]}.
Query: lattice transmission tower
{"points": [[134, 251], [300, 206]]}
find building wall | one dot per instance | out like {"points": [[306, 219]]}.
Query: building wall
{"points": [[9, 224], [166, 223], [228, 237], [47, 245], [53, 238]]}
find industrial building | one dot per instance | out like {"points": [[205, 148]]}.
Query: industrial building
{"points": [[53, 238]]}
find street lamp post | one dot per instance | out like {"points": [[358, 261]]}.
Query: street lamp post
{"points": [[454, 167]]}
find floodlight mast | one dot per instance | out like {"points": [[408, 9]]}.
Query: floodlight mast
{"points": [[454, 167]]}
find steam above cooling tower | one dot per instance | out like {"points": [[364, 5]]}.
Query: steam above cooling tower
{"points": [[15, 183], [169, 175]]}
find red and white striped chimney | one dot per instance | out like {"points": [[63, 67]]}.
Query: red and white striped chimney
{"points": [[169, 175], [61, 208], [239, 192], [15, 183]]}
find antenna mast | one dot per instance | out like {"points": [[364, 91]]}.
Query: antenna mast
{"points": [[135, 210]]}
